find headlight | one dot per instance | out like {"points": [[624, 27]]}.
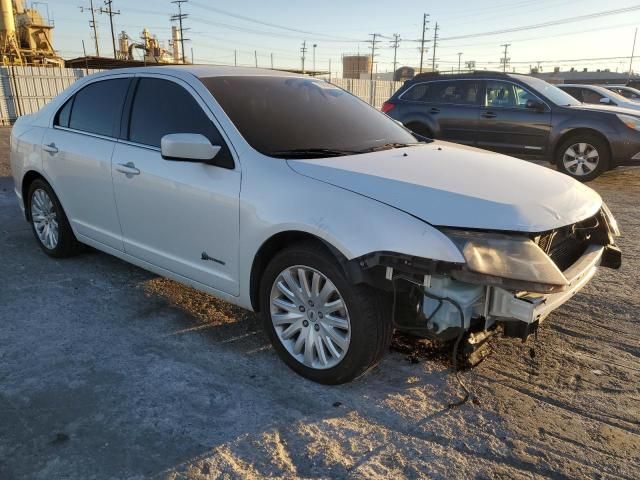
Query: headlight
{"points": [[630, 121], [513, 257], [611, 221]]}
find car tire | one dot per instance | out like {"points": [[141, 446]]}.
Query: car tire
{"points": [[49, 223], [575, 157], [352, 339]]}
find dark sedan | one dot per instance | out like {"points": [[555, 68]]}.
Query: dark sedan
{"points": [[521, 116]]}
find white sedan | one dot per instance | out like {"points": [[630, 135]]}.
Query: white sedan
{"points": [[290, 197]]}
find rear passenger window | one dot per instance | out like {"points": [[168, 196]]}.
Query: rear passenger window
{"points": [[161, 107], [97, 108], [462, 92], [417, 93]]}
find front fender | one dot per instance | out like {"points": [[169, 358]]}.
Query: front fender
{"points": [[351, 223]]}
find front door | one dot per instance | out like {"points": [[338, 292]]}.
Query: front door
{"points": [[506, 124], [178, 215]]}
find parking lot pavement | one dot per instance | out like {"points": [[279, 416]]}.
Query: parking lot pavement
{"points": [[107, 371]]}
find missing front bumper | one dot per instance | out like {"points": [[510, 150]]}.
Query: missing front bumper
{"points": [[532, 307]]}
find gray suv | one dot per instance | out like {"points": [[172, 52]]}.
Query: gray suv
{"points": [[520, 116]]}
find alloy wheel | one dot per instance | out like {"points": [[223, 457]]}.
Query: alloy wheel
{"points": [[581, 159], [310, 317], [45, 218]]}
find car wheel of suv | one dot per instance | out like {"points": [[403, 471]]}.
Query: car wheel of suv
{"points": [[583, 157], [325, 328], [49, 222]]}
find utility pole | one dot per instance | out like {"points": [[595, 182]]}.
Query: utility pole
{"points": [[435, 44], [633, 51], [303, 50], [329, 69], [395, 43], [314, 58], [271, 61], [93, 24], [109, 11], [235, 58], [255, 55], [374, 40], [180, 17], [505, 59], [424, 31], [459, 62]]}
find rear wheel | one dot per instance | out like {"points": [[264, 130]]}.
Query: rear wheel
{"points": [[583, 157], [49, 222], [324, 327]]}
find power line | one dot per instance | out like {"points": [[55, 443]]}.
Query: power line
{"points": [[395, 43], [424, 30], [303, 50], [109, 11], [180, 17], [435, 44], [268, 24], [551, 23], [505, 59], [93, 24]]}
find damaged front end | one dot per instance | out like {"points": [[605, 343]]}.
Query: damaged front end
{"points": [[509, 280]]}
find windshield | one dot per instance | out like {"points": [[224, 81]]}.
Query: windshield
{"points": [[304, 117], [551, 92]]}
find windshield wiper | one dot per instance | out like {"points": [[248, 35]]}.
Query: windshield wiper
{"points": [[312, 153], [389, 146]]}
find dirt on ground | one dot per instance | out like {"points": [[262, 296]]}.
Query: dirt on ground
{"points": [[107, 371]]}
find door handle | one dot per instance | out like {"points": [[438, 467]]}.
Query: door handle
{"points": [[51, 148], [434, 110], [129, 169], [488, 115]]}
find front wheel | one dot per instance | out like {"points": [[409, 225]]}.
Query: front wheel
{"points": [[324, 327], [583, 157]]}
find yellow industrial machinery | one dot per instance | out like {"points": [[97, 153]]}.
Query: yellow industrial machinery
{"points": [[25, 37]]}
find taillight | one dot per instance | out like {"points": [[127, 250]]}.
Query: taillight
{"points": [[387, 107]]}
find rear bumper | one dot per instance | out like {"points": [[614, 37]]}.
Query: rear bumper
{"points": [[532, 307]]}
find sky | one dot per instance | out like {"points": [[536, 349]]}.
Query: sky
{"points": [[221, 30]]}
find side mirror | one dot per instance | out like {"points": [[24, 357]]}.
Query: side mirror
{"points": [[605, 100], [188, 147], [535, 105]]}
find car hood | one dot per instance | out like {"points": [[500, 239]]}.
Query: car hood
{"points": [[451, 185], [626, 110]]}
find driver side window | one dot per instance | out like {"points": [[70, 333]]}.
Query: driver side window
{"points": [[161, 107], [507, 95]]}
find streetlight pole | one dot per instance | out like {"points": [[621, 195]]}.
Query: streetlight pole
{"points": [[459, 62]]}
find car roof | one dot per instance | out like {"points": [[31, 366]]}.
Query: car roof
{"points": [[203, 71]]}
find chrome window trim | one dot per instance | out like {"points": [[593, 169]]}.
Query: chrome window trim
{"points": [[83, 132]]}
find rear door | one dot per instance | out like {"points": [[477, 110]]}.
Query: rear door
{"points": [[451, 106], [77, 158], [181, 216], [506, 124]]}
